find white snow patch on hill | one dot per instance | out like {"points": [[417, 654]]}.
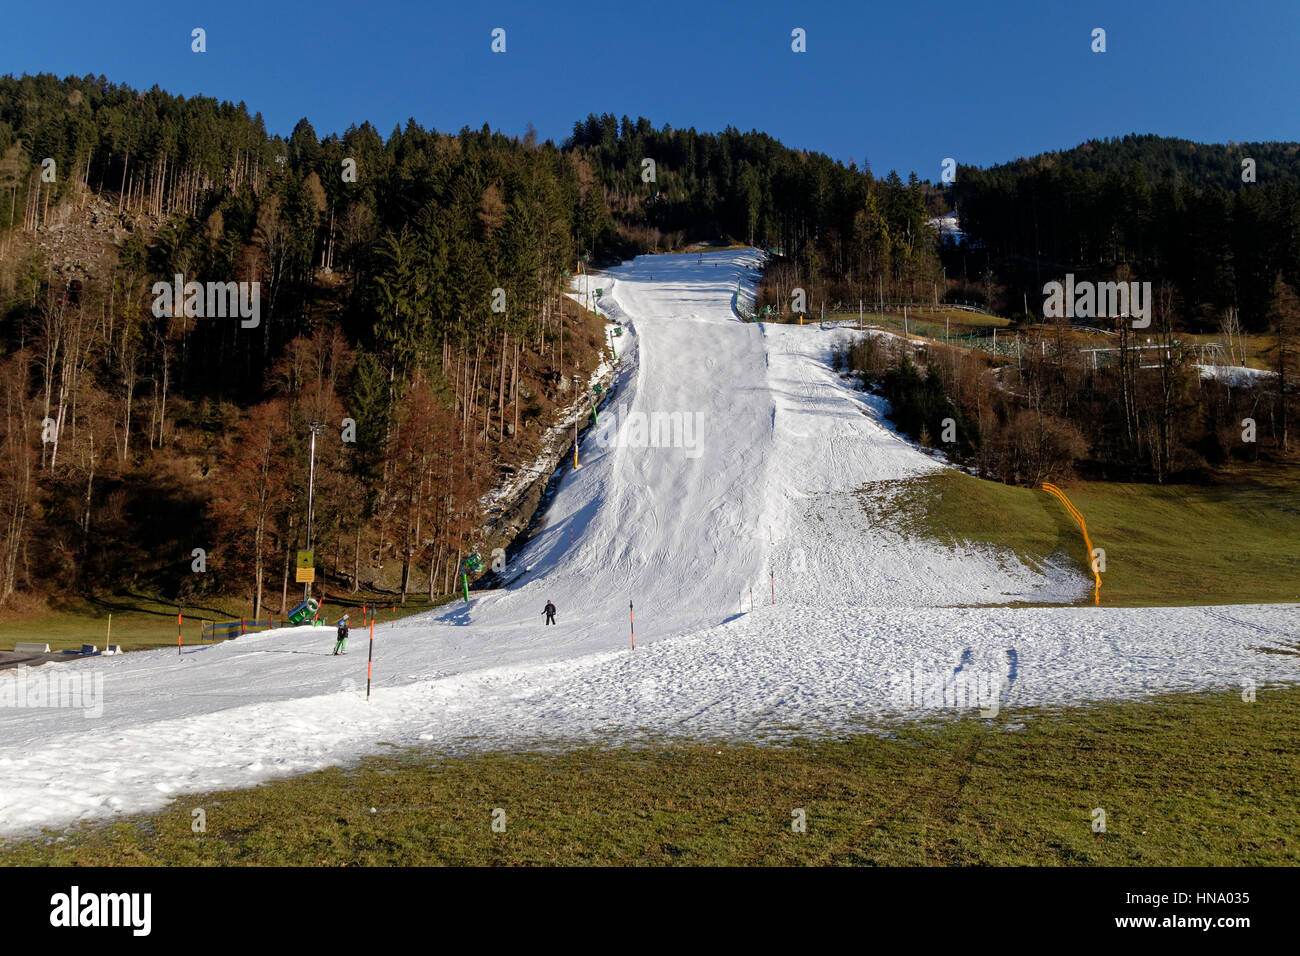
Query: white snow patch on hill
{"points": [[687, 525]]}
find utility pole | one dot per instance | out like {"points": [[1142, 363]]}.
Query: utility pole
{"points": [[316, 429]]}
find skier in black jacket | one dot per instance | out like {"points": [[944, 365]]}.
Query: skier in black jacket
{"points": [[342, 643], [550, 613]]}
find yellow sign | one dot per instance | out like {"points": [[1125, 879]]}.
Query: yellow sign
{"points": [[306, 576], [306, 559]]}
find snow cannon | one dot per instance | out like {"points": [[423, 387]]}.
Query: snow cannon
{"points": [[304, 611], [473, 563]]}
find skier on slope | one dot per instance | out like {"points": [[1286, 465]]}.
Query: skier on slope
{"points": [[342, 643], [550, 613]]}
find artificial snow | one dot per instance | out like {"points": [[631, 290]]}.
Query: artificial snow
{"points": [[692, 529]]}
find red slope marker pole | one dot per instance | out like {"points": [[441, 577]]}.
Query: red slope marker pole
{"points": [[178, 631], [631, 623], [371, 658]]}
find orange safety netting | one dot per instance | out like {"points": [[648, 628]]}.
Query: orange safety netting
{"points": [[1083, 526]]}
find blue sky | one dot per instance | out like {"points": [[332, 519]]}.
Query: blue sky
{"points": [[903, 84]]}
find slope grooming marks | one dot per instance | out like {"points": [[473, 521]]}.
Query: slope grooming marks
{"points": [[726, 472]]}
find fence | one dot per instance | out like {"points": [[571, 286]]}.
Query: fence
{"points": [[224, 630], [743, 304], [874, 307]]}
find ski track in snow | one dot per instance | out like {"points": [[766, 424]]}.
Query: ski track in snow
{"points": [[691, 535]]}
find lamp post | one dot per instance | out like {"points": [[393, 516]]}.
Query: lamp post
{"points": [[316, 428]]}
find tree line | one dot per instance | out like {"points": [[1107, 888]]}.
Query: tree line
{"points": [[409, 286], [837, 232], [1217, 223], [1145, 408], [411, 305]]}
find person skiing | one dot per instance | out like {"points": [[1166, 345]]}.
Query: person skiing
{"points": [[342, 643], [550, 613]]}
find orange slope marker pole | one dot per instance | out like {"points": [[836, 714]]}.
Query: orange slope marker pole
{"points": [[179, 632], [370, 660], [1051, 489]]}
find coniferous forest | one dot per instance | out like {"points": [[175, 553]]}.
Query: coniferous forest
{"points": [[130, 439], [1218, 229]]}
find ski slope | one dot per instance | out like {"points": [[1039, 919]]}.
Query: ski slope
{"points": [[697, 521]]}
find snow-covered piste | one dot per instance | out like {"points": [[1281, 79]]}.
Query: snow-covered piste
{"points": [[730, 453]]}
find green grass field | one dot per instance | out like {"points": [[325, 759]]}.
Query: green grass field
{"points": [[1165, 545], [1184, 780]]}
